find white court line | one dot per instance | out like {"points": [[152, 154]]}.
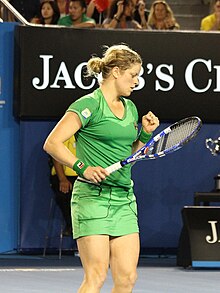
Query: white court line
{"points": [[35, 270]]}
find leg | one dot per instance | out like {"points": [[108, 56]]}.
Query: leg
{"points": [[94, 255], [124, 254]]}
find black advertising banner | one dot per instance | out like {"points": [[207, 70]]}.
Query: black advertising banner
{"points": [[202, 225], [180, 75]]}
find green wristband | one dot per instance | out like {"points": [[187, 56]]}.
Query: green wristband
{"points": [[80, 167], [144, 136]]}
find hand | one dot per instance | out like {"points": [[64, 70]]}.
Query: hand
{"points": [[120, 10], [65, 185], [141, 8], [150, 122], [169, 23], [95, 174]]}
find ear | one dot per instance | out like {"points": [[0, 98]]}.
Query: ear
{"points": [[115, 72], [84, 10]]}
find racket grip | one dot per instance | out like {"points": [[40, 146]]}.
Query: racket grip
{"points": [[114, 167]]}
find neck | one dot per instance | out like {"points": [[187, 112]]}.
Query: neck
{"points": [[109, 92], [160, 24], [77, 21], [48, 20]]}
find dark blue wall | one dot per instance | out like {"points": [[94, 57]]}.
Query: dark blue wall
{"points": [[162, 187]]}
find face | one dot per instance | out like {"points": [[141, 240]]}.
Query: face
{"points": [[135, 2], [160, 11], [47, 10], [217, 7], [76, 10], [129, 9], [127, 80]]}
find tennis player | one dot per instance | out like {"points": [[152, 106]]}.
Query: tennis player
{"points": [[104, 210]]}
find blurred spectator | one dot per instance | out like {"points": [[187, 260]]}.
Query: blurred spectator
{"points": [[161, 17], [141, 13], [49, 13], [77, 15], [27, 8], [97, 9], [121, 15], [62, 180], [212, 21], [63, 7]]}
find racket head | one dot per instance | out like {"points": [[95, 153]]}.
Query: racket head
{"points": [[172, 138], [167, 141]]}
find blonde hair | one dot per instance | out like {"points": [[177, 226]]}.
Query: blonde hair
{"points": [[120, 56], [151, 18]]}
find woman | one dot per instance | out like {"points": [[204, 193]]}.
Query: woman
{"points": [[49, 13], [161, 17], [104, 211], [121, 14], [212, 21]]}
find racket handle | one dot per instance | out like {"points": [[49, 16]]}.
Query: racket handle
{"points": [[114, 167]]}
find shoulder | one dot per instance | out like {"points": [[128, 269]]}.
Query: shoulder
{"points": [[65, 20], [86, 107], [210, 17], [90, 101], [87, 19]]}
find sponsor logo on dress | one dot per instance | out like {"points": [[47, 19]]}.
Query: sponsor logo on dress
{"points": [[86, 113]]}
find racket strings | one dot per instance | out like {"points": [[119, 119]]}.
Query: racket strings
{"points": [[179, 134]]}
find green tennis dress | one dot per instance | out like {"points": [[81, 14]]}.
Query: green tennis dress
{"points": [[108, 208]]}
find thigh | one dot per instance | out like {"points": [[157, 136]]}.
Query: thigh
{"points": [[124, 254], [94, 252]]}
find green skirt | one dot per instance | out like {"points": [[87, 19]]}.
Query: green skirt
{"points": [[103, 210]]}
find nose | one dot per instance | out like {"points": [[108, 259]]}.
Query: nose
{"points": [[136, 81]]}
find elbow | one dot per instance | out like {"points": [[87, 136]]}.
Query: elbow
{"points": [[46, 146]]}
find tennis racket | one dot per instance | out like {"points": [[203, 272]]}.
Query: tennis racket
{"points": [[166, 142]]}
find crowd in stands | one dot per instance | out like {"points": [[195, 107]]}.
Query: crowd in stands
{"points": [[109, 14], [114, 14]]}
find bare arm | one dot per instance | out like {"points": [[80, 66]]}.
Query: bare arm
{"points": [[86, 24], [90, 8], [149, 123], [141, 11], [116, 19], [65, 128]]}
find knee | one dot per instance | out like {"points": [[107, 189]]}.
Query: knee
{"points": [[131, 279], [126, 281], [96, 278]]}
